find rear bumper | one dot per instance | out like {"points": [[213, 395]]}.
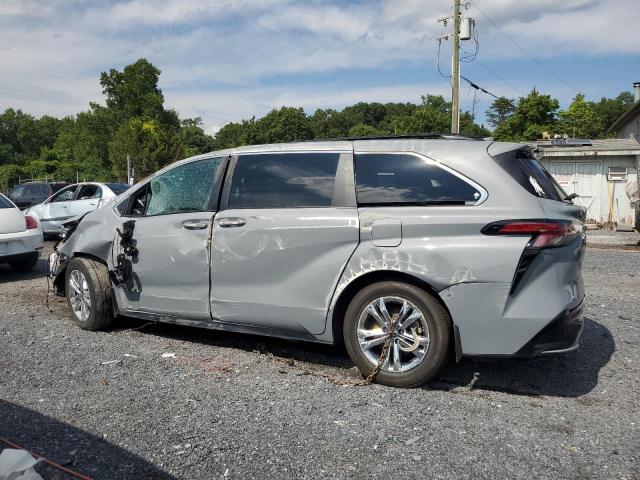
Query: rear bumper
{"points": [[14, 246], [561, 335], [19, 257]]}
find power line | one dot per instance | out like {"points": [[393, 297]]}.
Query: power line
{"points": [[538, 62], [478, 87], [438, 61]]}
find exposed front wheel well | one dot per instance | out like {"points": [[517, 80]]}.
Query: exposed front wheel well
{"points": [[59, 283], [337, 318]]}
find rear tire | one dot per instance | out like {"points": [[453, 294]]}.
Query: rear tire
{"points": [[26, 264], [89, 294], [428, 334]]}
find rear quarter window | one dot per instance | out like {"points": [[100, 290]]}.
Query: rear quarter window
{"points": [[408, 179]]}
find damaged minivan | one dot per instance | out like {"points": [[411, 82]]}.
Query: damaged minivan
{"points": [[410, 251]]}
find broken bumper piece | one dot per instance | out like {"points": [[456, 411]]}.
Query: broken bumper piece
{"points": [[561, 335], [56, 266]]}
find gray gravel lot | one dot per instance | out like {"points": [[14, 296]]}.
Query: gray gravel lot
{"points": [[110, 406]]}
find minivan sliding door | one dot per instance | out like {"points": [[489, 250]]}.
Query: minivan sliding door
{"points": [[287, 226]]}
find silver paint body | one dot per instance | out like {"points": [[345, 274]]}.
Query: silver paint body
{"points": [[281, 272]]}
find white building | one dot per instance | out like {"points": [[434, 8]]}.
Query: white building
{"points": [[604, 173]]}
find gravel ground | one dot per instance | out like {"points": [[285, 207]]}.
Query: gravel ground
{"points": [[111, 406], [611, 238]]}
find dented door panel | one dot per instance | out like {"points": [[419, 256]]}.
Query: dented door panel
{"points": [[280, 266], [171, 269]]}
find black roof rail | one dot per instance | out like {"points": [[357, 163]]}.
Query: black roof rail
{"points": [[409, 136]]}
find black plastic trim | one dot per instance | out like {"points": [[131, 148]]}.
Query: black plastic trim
{"points": [[560, 335]]}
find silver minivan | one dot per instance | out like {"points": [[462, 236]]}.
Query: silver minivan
{"points": [[409, 250]]}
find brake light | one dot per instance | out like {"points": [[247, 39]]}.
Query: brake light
{"points": [[543, 233], [31, 222]]}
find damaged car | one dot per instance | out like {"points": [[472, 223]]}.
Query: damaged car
{"points": [[71, 202], [410, 251]]}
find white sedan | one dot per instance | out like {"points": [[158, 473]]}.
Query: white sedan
{"points": [[73, 201], [20, 237]]}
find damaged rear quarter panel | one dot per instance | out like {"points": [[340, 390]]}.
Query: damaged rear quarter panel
{"points": [[442, 246]]}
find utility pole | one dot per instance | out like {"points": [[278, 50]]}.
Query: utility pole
{"points": [[455, 70], [462, 30]]}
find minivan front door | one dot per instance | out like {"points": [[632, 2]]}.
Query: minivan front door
{"points": [[173, 214], [287, 227]]}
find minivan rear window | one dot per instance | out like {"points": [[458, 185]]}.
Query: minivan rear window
{"points": [[530, 174], [407, 179]]}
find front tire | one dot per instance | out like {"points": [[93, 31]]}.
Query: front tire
{"points": [[419, 344], [89, 294]]}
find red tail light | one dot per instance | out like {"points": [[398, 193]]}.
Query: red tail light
{"points": [[543, 233], [31, 222]]}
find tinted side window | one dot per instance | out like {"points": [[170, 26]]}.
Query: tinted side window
{"points": [[283, 180], [530, 174], [383, 178], [43, 189], [186, 188], [32, 190]]}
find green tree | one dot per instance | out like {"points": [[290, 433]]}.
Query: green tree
{"points": [[610, 109], [534, 114], [150, 144], [581, 119], [194, 139], [287, 124], [499, 111], [134, 92], [363, 130], [434, 115]]}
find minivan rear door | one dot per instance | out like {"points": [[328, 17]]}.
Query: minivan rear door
{"points": [[287, 226]]}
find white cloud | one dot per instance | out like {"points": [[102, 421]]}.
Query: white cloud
{"points": [[52, 52]]}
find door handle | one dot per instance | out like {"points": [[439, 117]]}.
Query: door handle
{"points": [[195, 224], [231, 222]]}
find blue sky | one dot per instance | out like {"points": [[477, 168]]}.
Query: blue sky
{"points": [[225, 60]]}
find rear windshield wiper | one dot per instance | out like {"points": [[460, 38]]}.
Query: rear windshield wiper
{"points": [[570, 198]]}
